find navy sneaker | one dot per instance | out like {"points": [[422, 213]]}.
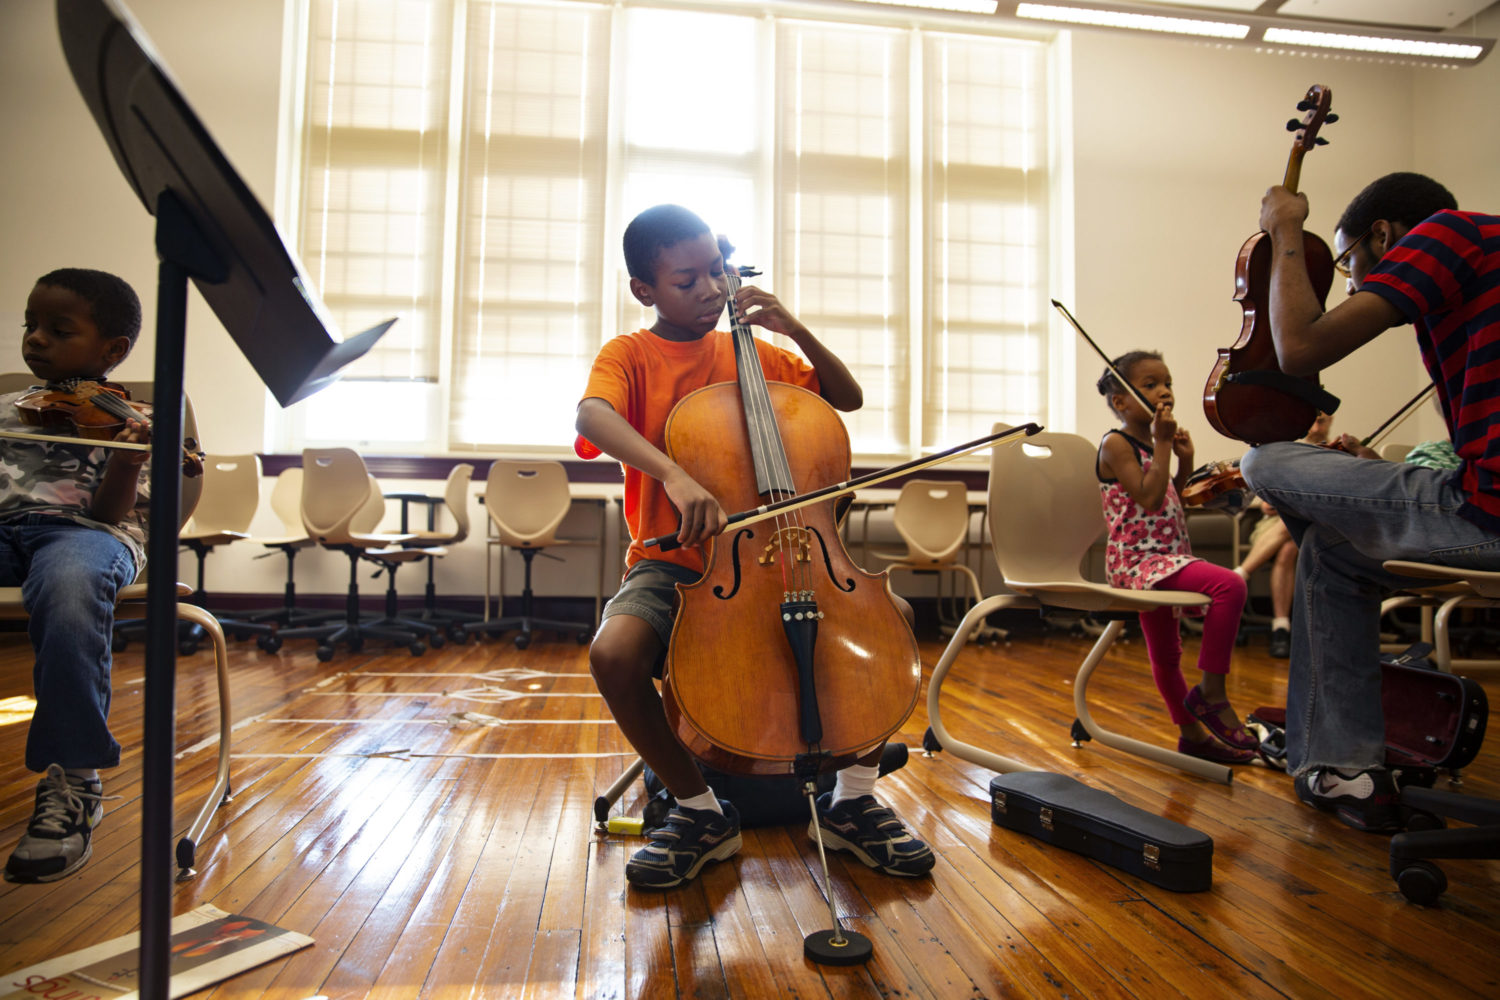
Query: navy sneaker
{"points": [[56, 842], [872, 833], [1366, 800], [680, 847], [1280, 645]]}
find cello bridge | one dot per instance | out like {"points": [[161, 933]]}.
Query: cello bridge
{"points": [[794, 540]]}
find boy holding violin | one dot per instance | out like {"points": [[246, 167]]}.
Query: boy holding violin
{"points": [[1408, 257], [72, 533], [677, 269]]}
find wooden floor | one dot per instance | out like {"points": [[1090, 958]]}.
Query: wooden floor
{"points": [[428, 821]]}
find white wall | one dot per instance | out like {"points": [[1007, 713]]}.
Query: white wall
{"points": [[1174, 144]]}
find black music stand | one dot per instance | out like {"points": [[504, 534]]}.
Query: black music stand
{"points": [[209, 228]]}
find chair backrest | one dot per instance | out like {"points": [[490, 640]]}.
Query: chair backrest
{"points": [[335, 490], [1045, 511], [527, 501], [932, 517], [456, 499], [1395, 452], [286, 500], [372, 512], [231, 493]]}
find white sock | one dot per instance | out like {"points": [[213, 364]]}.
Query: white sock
{"points": [[706, 800], [1283, 623], [1240, 572], [854, 781]]}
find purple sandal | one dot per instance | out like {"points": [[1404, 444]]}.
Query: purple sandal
{"points": [[1237, 736]]}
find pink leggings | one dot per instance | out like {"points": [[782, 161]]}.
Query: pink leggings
{"points": [[1220, 625]]}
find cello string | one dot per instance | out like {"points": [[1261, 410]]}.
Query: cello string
{"points": [[762, 417]]}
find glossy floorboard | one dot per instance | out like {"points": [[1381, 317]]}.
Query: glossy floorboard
{"points": [[428, 821]]}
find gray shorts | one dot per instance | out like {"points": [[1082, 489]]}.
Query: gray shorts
{"points": [[649, 592]]}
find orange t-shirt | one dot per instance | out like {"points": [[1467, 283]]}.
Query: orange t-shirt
{"points": [[643, 376]]}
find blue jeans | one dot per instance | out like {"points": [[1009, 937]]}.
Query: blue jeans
{"points": [[1348, 515], [69, 576]]}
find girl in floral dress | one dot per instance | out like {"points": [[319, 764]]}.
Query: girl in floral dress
{"points": [[1148, 548]]}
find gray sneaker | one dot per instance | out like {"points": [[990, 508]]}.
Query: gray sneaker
{"points": [[56, 842]]}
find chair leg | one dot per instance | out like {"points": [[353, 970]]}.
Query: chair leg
{"points": [[1192, 765], [525, 623], [943, 739], [221, 793], [356, 627]]}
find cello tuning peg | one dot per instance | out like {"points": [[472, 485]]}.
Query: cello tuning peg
{"points": [[1293, 124], [1320, 141], [1304, 105], [1330, 118]]}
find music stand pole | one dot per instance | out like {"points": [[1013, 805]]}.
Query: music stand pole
{"points": [[183, 254]]}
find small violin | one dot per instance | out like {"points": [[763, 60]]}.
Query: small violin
{"points": [[95, 412]]}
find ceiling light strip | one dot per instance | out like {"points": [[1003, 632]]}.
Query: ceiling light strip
{"points": [[1371, 43], [1139, 22]]}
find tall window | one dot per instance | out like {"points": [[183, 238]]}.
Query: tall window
{"points": [[471, 164]]}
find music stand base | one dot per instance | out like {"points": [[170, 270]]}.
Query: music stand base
{"points": [[823, 948]]}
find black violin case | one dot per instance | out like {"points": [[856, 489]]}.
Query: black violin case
{"points": [[1065, 812]]}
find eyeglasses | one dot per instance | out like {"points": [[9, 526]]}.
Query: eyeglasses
{"points": [[1341, 262]]}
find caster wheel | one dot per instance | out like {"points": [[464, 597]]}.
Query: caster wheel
{"points": [[457, 635], [325, 653], [187, 647], [930, 741], [435, 640], [584, 637], [1421, 882], [417, 649], [269, 643], [522, 641], [1419, 820], [118, 643]]}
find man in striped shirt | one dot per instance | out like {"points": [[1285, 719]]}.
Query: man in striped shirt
{"points": [[1408, 257]]}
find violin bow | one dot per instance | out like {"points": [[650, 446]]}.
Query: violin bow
{"points": [[1407, 409], [766, 511], [1140, 397], [64, 439]]}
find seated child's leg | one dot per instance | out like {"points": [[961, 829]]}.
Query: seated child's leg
{"points": [[1226, 590], [70, 591], [622, 659], [1209, 702], [1164, 649]]}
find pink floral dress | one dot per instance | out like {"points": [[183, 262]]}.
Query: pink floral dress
{"points": [[1144, 547]]}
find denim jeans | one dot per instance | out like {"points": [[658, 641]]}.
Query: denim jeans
{"points": [[69, 576], [1348, 515]]}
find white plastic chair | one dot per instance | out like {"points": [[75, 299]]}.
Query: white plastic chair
{"points": [[1045, 514], [231, 494], [526, 503], [932, 518], [341, 505]]}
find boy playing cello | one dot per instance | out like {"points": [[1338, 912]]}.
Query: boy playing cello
{"points": [[676, 269]]}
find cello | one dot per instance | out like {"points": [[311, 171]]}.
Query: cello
{"points": [[785, 647], [1247, 396]]}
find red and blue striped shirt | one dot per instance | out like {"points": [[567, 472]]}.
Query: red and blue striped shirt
{"points": [[1444, 277]]}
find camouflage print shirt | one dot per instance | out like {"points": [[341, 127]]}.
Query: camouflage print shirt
{"points": [[40, 477]]}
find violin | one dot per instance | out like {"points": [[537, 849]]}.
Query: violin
{"points": [[1248, 397], [785, 650], [94, 412]]}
